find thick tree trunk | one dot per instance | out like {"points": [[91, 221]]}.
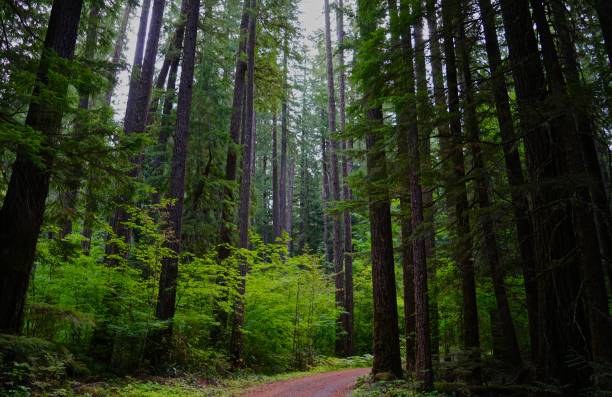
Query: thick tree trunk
{"points": [[166, 299], [490, 245], [346, 190], [514, 172], [559, 280], [582, 102], [335, 185], [456, 190], [236, 340], [22, 211], [386, 346], [583, 224]]}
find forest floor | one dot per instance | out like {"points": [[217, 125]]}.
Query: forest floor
{"points": [[327, 384]]}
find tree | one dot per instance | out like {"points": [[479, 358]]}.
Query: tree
{"points": [[490, 245], [136, 111], [386, 333], [456, 190], [335, 184], [236, 341], [22, 211], [166, 298]]}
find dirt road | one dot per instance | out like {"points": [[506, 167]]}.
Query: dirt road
{"points": [[328, 384]]}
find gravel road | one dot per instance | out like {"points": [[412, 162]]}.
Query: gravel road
{"points": [[327, 384]]}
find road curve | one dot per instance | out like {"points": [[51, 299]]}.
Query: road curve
{"points": [[327, 384]]}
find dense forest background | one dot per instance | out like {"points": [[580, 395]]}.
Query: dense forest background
{"points": [[424, 181]]}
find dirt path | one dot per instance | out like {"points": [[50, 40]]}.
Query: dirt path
{"points": [[328, 384]]}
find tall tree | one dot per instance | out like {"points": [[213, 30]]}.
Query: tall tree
{"points": [[275, 190], [386, 333], [346, 189], [22, 211], [136, 111], [457, 192], [489, 242], [335, 186], [235, 126], [166, 298], [236, 341], [70, 195], [514, 172]]}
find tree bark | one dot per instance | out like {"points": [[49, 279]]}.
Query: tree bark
{"points": [[23, 208], [236, 340]]}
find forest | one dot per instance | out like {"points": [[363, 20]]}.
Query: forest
{"points": [[201, 197]]}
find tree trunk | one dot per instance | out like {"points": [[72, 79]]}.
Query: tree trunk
{"points": [[554, 241], [604, 13], [173, 58], [166, 299], [275, 191], [441, 124], [235, 126], [490, 245], [456, 190], [386, 333], [236, 340], [284, 132], [328, 248], [120, 46], [69, 197], [289, 206], [136, 111], [582, 102], [424, 119], [335, 185], [583, 224], [514, 172], [346, 190], [23, 208]]}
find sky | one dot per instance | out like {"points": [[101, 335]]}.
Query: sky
{"points": [[310, 18]]}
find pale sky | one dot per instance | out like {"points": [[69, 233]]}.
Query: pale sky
{"points": [[310, 18]]}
